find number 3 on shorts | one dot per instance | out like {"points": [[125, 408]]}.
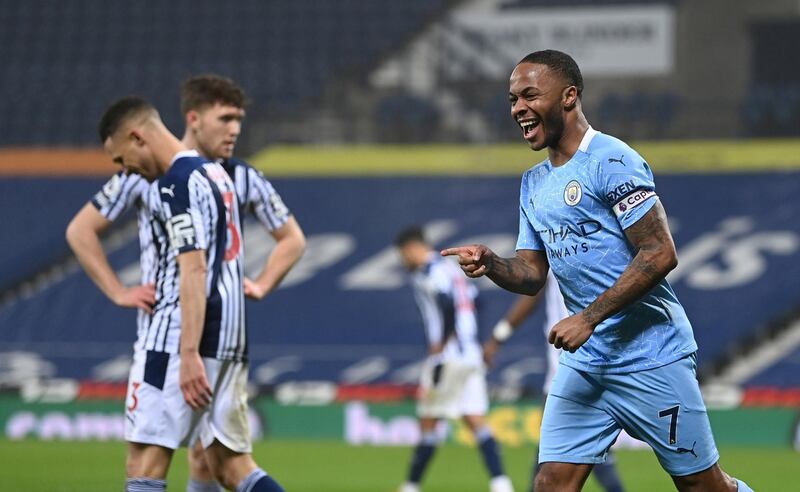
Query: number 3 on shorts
{"points": [[134, 397], [671, 412]]}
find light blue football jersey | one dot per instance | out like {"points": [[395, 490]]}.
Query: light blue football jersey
{"points": [[577, 214]]}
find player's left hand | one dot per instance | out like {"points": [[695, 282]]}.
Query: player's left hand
{"points": [[138, 296], [253, 290], [570, 333], [193, 381]]}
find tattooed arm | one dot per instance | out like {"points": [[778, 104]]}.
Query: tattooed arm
{"points": [[525, 273], [655, 257]]}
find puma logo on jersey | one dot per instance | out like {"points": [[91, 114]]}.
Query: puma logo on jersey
{"points": [[620, 160], [168, 191]]}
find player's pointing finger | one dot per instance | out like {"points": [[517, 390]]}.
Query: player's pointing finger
{"points": [[459, 251]]}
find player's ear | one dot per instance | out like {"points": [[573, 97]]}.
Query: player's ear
{"points": [[136, 136], [192, 118], [569, 97]]}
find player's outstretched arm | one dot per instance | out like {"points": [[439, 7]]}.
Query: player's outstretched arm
{"points": [[83, 236], [290, 243], [525, 273], [193, 380]]}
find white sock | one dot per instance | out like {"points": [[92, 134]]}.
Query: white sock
{"points": [[144, 484], [500, 483]]}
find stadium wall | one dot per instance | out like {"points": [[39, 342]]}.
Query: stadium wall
{"points": [[365, 424]]}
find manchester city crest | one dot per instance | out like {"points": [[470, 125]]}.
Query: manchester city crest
{"points": [[573, 193]]}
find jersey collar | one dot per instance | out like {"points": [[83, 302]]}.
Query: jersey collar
{"points": [[184, 153], [587, 139]]}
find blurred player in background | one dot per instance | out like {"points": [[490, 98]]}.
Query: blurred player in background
{"points": [[555, 310], [213, 108], [453, 380], [590, 212]]}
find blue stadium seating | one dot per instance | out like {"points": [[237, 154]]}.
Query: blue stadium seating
{"points": [[63, 62], [405, 118], [638, 109], [772, 110], [35, 216], [784, 373], [512, 4]]}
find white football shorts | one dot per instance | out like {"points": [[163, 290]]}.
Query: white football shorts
{"points": [[459, 389], [156, 413]]}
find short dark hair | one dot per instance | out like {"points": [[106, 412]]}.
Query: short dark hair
{"points": [[559, 62], [204, 90], [119, 112], [408, 235]]}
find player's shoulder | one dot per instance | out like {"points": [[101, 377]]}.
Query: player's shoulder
{"points": [[537, 170], [122, 182], [251, 171], [175, 183], [607, 150], [431, 267], [183, 167], [234, 162], [120, 186], [533, 176], [432, 275], [129, 184], [184, 164]]}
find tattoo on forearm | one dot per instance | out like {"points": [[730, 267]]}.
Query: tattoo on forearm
{"points": [[593, 314], [514, 275], [644, 266], [651, 237]]}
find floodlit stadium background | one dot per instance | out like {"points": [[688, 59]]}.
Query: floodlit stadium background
{"points": [[371, 115]]}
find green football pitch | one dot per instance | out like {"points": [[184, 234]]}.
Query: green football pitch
{"points": [[328, 466]]}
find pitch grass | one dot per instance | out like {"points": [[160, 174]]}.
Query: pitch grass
{"points": [[335, 467]]}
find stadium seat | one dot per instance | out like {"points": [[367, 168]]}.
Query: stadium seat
{"points": [[284, 52]]}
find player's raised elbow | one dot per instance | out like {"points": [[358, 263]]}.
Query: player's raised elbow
{"points": [[76, 231], [296, 238], [667, 259], [299, 242], [71, 234], [85, 226]]}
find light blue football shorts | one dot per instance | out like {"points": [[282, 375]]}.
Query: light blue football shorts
{"points": [[585, 413]]}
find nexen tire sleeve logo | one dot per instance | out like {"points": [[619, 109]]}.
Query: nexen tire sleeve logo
{"points": [[632, 201]]}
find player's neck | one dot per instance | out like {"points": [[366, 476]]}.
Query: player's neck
{"points": [[190, 142], [569, 142], [165, 146]]}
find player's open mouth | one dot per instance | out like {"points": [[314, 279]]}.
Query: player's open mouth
{"points": [[528, 127]]}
